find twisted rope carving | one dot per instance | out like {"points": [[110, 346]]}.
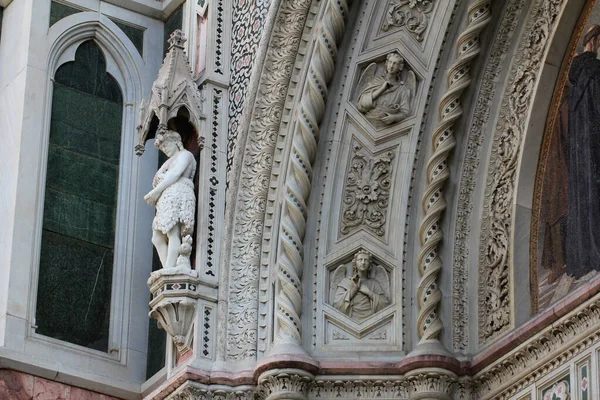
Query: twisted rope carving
{"points": [[298, 180], [433, 202]]}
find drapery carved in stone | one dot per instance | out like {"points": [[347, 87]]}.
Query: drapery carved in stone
{"points": [[414, 15], [367, 191]]}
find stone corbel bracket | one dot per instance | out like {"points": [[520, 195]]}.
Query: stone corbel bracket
{"points": [[175, 294], [173, 89]]}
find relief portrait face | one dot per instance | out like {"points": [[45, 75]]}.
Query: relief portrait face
{"points": [[394, 64], [363, 263]]}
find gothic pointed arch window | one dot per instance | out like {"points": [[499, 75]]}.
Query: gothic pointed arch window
{"points": [[80, 202]]}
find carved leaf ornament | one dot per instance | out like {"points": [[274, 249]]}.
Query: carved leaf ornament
{"points": [[414, 15], [367, 192]]}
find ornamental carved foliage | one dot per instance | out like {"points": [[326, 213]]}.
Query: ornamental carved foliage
{"points": [[413, 15], [496, 249], [367, 191]]}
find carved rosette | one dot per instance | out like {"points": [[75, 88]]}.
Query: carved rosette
{"points": [[367, 192], [431, 384], [173, 305], [413, 15], [284, 384]]}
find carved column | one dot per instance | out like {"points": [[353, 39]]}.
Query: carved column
{"points": [[431, 384], [429, 324], [298, 181], [285, 384]]}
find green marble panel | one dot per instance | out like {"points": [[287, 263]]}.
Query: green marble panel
{"points": [[79, 218], [88, 73], [78, 236], [59, 11], [83, 176], [174, 22], [86, 124], [136, 35], [74, 291]]}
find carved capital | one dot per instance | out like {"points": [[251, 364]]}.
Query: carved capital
{"points": [[431, 384], [173, 305], [284, 384]]}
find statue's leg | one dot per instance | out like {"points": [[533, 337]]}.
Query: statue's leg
{"points": [[174, 244], [159, 240]]}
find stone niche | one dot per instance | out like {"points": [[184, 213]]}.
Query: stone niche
{"points": [[358, 302], [384, 93]]}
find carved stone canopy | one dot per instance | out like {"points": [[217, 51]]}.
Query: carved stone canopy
{"points": [[174, 93]]}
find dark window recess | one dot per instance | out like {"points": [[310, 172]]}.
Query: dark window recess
{"points": [[78, 232], [174, 22], [59, 11], [136, 35]]}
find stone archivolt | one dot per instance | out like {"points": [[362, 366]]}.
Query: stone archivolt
{"points": [[495, 258], [429, 324]]}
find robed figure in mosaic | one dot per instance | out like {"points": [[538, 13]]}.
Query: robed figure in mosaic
{"points": [[583, 215]]}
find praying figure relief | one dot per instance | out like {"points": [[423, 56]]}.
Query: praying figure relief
{"points": [[363, 292], [175, 201], [384, 98]]}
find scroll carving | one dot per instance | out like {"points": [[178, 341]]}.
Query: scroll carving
{"points": [[414, 15], [241, 323], [495, 315], [471, 164], [367, 192]]}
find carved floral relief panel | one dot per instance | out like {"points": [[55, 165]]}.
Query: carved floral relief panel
{"points": [[411, 15], [367, 191]]}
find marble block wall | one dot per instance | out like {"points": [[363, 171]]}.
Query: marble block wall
{"points": [[19, 386]]}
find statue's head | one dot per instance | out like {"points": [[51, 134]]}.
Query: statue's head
{"points": [[394, 63], [592, 37], [361, 262], [165, 138]]}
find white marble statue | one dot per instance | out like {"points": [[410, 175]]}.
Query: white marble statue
{"points": [[385, 98], [364, 292], [175, 201]]}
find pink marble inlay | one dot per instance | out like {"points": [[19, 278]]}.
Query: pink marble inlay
{"points": [[48, 390]]}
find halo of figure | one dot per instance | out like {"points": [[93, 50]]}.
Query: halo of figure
{"points": [[363, 293], [385, 99], [174, 198]]}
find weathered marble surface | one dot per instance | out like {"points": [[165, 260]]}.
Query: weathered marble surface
{"points": [[20, 386]]}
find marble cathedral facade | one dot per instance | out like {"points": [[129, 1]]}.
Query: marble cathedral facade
{"points": [[372, 185]]}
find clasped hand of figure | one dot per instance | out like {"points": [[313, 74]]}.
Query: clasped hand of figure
{"points": [[152, 197], [360, 287], [382, 89]]}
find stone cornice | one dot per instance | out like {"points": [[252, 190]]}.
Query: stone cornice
{"points": [[542, 345]]}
